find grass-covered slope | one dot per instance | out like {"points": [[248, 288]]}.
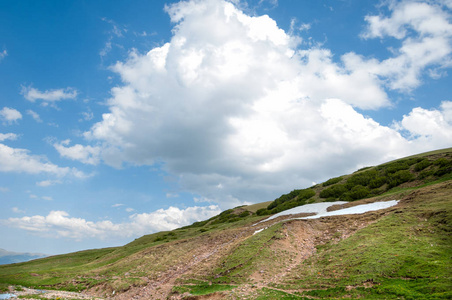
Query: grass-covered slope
{"points": [[403, 252]]}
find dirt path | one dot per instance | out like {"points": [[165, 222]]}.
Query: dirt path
{"points": [[204, 256]]}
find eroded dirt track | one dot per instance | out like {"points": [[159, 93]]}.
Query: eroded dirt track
{"points": [[298, 241]]}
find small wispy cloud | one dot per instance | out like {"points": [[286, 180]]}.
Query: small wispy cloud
{"points": [[46, 183], [34, 115], [3, 54], [85, 154], [48, 96], [86, 116], [172, 195], [7, 136], [10, 115], [17, 210], [117, 31]]}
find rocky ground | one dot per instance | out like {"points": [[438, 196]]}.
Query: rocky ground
{"points": [[49, 294]]}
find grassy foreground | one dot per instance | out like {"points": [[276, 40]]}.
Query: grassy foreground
{"points": [[404, 252]]}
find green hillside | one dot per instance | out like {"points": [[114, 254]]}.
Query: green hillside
{"points": [[403, 252]]}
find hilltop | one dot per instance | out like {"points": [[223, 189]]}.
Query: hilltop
{"points": [[402, 252]]}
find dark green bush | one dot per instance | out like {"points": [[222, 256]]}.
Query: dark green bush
{"points": [[359, 192], [422, 165], [244, 214], [396, 166], [400, 177], [442, 162], [363, 178], [332, 181], [283, 198], [443, 171], [377, 182], [306, 194], [426, 173], [263, 212], [334, 191]]}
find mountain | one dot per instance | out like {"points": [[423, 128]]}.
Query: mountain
{"points": [[400, 252], [8, 257]]}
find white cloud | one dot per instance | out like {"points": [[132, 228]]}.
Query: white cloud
{"points": [[10, 115], [429, 127], [84, 154], [231, 102], [47, 198], [172, 195], [4, 189], [425, 32], [3, 54], [117, 205], [60, 224], [7, 136], [48, 96], [17, 210], [21, 161], [87, 116], [34, 115], [46, 183]]}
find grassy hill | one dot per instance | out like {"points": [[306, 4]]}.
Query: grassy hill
{"points": [[403, 252]]}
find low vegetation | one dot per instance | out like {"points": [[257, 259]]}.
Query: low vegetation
{"points": [[398, 253]]}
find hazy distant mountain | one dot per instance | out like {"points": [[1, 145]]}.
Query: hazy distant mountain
{"points": [[8, 257]]}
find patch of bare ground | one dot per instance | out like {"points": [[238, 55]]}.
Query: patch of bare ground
{"points": [[298, 240], [195, 257]]}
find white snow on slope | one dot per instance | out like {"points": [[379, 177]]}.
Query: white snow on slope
{"points": [[320, 209], [358, 209]]}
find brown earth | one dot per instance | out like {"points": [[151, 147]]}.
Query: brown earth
{"points": [[165, 266], [202, 255]]}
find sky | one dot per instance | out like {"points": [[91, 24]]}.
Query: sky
{"points": [[123, 118]]}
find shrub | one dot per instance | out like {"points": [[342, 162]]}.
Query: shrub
{"points": [[426, 173], [377, 182], [244, 214], [392, 168], [334, 191], [443, 171], [359, 192], [422, 165], [442, 162], [400, 177], [306, 194], [332, 181], [363, 178], [263, 212]]}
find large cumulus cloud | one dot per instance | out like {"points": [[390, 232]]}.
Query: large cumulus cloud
{"points": [[239, 111]]}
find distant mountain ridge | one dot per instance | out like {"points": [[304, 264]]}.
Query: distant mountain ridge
{"points": [[9, 257]]}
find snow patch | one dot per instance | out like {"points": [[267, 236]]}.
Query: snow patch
{"points": [[257, 231], [320, 209], [359, 209]]}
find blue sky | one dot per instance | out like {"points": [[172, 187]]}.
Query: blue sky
{"points": [[122, 118]]}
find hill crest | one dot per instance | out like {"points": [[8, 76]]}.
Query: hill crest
{"points": [[399, 252]]}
